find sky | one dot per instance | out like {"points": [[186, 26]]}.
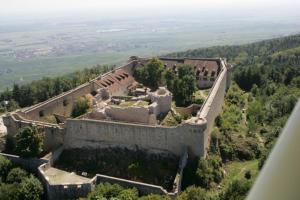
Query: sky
{"points": [[46, 8]]}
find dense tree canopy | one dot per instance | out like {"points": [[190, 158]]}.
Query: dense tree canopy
{"points": [[41, 90], [263, 93], [150, 74], [182, 83], [17, 184], [108, 191], [29, 142]]}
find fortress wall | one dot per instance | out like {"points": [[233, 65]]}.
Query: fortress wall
{"points": [[143, 188], [204, 84], [62, 191], [129, 114], [30, 164], [53, 135], [56, 105], [213, 104], [187, 111], [101, 134]]}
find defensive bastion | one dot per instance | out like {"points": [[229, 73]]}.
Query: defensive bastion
{"points": [[191, 137], [90, 133]]}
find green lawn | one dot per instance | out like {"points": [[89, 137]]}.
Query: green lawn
{"points": [[133, 103], [236, 170]]}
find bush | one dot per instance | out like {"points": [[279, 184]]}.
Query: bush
{"points": [[209, 171], [5, 166], [248, 174], [237, 190], [10, 192], [193, 193], [28, 142], [31, 188], [109, 191], [155, 197], [16, 175], [81, 106]]}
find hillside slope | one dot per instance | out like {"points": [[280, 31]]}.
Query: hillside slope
{"points": [[265, 89]]}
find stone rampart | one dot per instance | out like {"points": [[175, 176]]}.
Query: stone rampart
{"points": [[143, 188], [213, 104], [139, 114], [63, 103], [30, 164], [62, 191], [53, 134], [188, 111], [101, 134]]}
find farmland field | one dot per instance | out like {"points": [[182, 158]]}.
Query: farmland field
{"points": [[33, 50]]}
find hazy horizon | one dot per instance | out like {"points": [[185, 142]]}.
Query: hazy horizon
{"points": [[50, 37], [36, 10]]}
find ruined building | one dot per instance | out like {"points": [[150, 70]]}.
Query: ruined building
{"points": [[120, 119]]}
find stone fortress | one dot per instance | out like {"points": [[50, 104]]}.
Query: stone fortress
{"points": [[126, 115]]}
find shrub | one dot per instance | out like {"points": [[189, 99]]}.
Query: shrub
{"points": [[128, 194], [81, 106], [110, 191], [155, 197], [237, 190], [31, 188], [209, 171], [16, 175], [29, 142], [193, 193], [10, 192], [5, 166], [248, 174]]}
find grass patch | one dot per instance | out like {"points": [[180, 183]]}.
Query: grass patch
{"points": [[171, 120], [236, 170], [133, 103], [201, 94]]}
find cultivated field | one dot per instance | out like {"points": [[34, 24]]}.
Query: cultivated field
{"points": [[33, 50]]}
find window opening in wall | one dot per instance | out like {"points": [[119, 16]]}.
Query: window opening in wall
{"points": [[65, 102], [119, 79], [94, 93], [123, 77], [213, 73], [205, 73], [41, 113]]}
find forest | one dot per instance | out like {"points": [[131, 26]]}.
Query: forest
{"points": [[265, 88]]}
